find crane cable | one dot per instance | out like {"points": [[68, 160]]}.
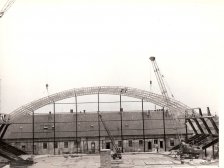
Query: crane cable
{"points": [[150, 71], [153, 89], [166, 84], [177, 120], [173, 116], [150, 82]]}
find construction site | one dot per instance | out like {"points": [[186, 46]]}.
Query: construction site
{"points": [[172, 130], [109, 127]]}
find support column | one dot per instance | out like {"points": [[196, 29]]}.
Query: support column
{"points": [[121, 111], [5, 127], [198, 124], [192, 126], [54, 125], [33, 131], [76, 124], [87, 147], [143, 124], [186, 137], [164, 129], [98, 111]]}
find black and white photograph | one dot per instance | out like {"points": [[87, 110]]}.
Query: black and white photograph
{"points": [[111, 84]]}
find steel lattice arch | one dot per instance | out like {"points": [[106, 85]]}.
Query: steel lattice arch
{"points": [[175, 106]]}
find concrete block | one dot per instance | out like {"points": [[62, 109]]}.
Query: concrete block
{"points": [[105, 158]]}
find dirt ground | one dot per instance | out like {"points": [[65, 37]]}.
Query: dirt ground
{"points": [[129, 160]]}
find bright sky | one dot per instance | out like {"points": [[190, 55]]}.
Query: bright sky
{"points": [[71, 44]]}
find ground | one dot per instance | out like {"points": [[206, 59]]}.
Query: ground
{"points": [[130, 160]]}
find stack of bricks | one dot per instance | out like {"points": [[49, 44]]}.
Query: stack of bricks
{"points": [[105, 158]]}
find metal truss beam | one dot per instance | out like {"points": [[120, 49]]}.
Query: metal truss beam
{"points": [[175, 106]]}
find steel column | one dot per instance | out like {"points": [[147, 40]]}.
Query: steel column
{"points": [[192, 126], [87, 145], [143, 123], [206, 126], [76, 123], [1, 128], [33, 132], [121, 113], [164, 128], [186, 137], [204, 122], [197, 123], [4, 130], [212, 121], [98, 112], [54, 125]]}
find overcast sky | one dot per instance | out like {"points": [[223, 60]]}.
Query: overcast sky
{"points": [[71, 44]]}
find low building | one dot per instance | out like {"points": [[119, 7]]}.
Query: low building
{"points": [[80, 132]]}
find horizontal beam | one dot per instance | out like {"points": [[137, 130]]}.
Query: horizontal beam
{"points": [[198, 117]]}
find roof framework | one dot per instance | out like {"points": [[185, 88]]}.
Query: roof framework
{"points": [[175, 106]]}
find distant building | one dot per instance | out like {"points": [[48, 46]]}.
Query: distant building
{"points": [[135, 138]]}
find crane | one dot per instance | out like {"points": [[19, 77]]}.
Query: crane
{"points": [[6, 6], [159, 78], [117, 153], [163, 90], [184, 147]]}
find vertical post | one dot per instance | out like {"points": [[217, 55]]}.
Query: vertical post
{"points": [[76, 123], [164, 128], [186, 137], [54, 125], [33, 131], [143, 124], [213, 152], [87, 147], [0, 95], [98, 111], [121, 111]]}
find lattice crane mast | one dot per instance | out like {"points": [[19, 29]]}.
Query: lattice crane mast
{"points": [[164, 92], [6, 6], [117, 153], [159, 78]]}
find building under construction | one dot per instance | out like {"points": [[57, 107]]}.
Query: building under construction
{"points": [[136, 132], [144, 130]]}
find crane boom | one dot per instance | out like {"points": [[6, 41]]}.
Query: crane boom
{"points": [[6, 6], [163, 90], [117, 153], [108, 132], [159, 78]]}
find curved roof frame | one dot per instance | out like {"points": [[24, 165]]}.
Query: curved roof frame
{"points": [[175, 106]]}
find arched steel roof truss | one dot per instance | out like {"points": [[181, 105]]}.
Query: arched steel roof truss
{"points": [[174, 105]]}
